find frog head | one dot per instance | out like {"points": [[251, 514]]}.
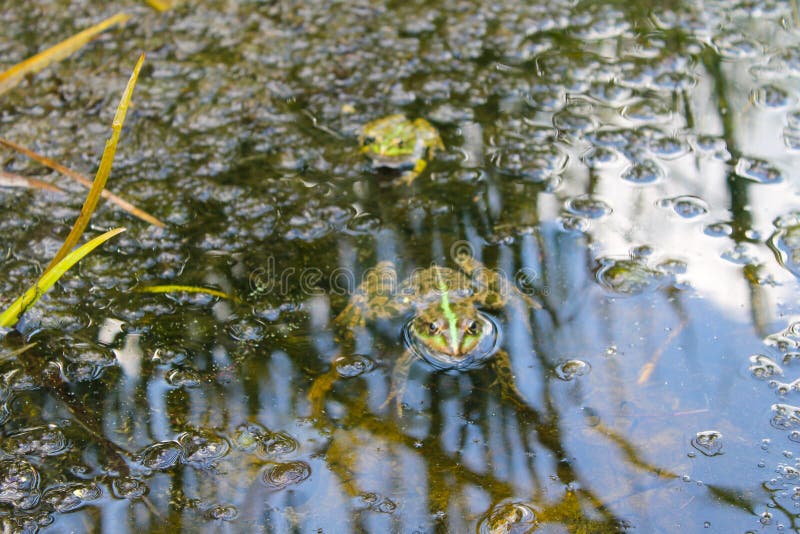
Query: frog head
{"points": [[390, 139], [450, 330]]}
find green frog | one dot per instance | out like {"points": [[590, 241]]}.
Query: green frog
{"points": [[448, 327], [395, 142]]}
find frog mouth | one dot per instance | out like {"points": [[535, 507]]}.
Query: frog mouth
{"points": [[489, 344]]}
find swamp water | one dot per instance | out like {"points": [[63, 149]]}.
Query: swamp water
{"points": [[633, 166]]}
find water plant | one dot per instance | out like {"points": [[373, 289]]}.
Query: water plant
{"points": [[65, 258]]}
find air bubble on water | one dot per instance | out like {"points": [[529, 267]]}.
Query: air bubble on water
{"points": [[668, 148], [735, 46], [72, 496], [280, 475], [19, 484], [571, 223], [248, 330], [762, 366], [711, 146], [203, 447], [674, 81], [739, 255], [161, 455], [708, 442], [222, 512], [758, 170], [353, 365], [785, 243], [38, 441], [630, 276], [718, 229], [610, 92], [643, 172], [686, 206], [588, 207], [598, 157], [785, 417], [575, 120], [128, 488], [508, 517], [647, 112], [187, 378], [571, 369], [771, 96]]}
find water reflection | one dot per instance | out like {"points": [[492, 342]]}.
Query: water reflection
{"points": [[622, 166]]}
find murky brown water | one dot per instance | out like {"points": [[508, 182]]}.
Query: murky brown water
{"points": [[632, 166]]}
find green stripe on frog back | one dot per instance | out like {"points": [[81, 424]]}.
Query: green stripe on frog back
{"points": [[452, 318]]}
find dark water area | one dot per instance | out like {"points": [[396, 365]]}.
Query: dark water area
{"points": [[627, 170]]}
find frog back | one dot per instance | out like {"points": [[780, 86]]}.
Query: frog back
{"points": [[424, 286]]}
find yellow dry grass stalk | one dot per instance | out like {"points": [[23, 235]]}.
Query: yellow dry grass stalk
{"points": [[83, 180], [10, 78], [11, 315], [102, 172], [162, 5], [187, 289], [9, 179]]}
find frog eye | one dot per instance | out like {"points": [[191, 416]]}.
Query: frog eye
{"points": [[472, 328], [433, 328], [369, 140]]}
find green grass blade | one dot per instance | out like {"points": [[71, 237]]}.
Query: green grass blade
{"points": [[187, 289], [11, 315], [102, 172]]}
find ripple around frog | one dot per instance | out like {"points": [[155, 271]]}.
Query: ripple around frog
{"points": [[487, 347]]}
